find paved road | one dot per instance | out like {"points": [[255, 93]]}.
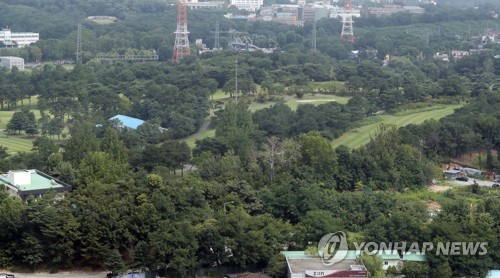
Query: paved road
{"points": [[62, 274]]}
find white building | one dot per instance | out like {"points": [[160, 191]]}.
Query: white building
{"points": [[249, 5], [338, 12], [9, 38], [195, 4], [9, 62]]}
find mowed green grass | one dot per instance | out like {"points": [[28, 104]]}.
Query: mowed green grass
{"points": [[294, 102], [360, 136], [191, 141], [16, 144]]}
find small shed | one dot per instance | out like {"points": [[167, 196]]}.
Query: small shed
{"points": [[452, 174]]}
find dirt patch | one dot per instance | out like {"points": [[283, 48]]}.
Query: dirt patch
{"points": [[438, 188], [433, 205]]}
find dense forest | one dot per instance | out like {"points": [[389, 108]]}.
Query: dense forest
{"points": [[268, 179]]}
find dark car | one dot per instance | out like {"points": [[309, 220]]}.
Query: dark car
{"points": [[495, 185], [462, 179]]}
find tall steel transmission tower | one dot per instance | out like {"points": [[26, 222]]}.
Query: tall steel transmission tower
{"points": [[313, 45], [217, 34], [347, 34], [79, 44], [181, 46]]}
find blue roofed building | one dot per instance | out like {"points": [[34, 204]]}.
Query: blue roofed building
{"points": [[127, 122]]}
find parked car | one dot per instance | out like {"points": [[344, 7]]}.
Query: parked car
{"points": [[462, 179], [5, 275], [495, 185]]}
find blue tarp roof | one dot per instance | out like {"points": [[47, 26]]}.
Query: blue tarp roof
{"points": [[127, 121]]}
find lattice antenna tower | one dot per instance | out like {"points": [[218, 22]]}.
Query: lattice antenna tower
{"points": [[217, 34], [181, 46], [347, 34], [79, 44], [313, 46]]}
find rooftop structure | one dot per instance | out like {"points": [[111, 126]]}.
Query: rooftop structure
{"points": [[414, 9], [459, 54], [11, 39], [127, 122], [338, 12], [102, 18], [195, 4], [24, 183], [249, 5], [286, 14], [391, 9], [239, 17], [9, 62], [301, 265]]}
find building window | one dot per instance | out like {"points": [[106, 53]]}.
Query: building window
{"points": [[386, 263]]}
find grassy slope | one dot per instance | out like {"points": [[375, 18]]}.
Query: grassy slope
{"points": [[360, 136]]}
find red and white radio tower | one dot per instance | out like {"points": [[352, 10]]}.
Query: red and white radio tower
{"points": [[181, 46], [347, 34]]}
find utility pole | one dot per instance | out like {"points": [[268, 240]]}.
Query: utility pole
{"points": [[79, 44], [236, 79], [181, 46]]}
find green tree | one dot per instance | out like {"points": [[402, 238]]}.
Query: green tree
{"points": [[111, 144], [373, 265], [45, 147], [57, 229], [30, 250], [114, 262], [318, 153], [415, 269], [21, 120], [277, 266], [236, 127], [101, 167], [82, 142]]}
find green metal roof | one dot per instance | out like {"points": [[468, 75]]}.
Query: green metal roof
{"points": [[353, 254], [38, 182]]}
